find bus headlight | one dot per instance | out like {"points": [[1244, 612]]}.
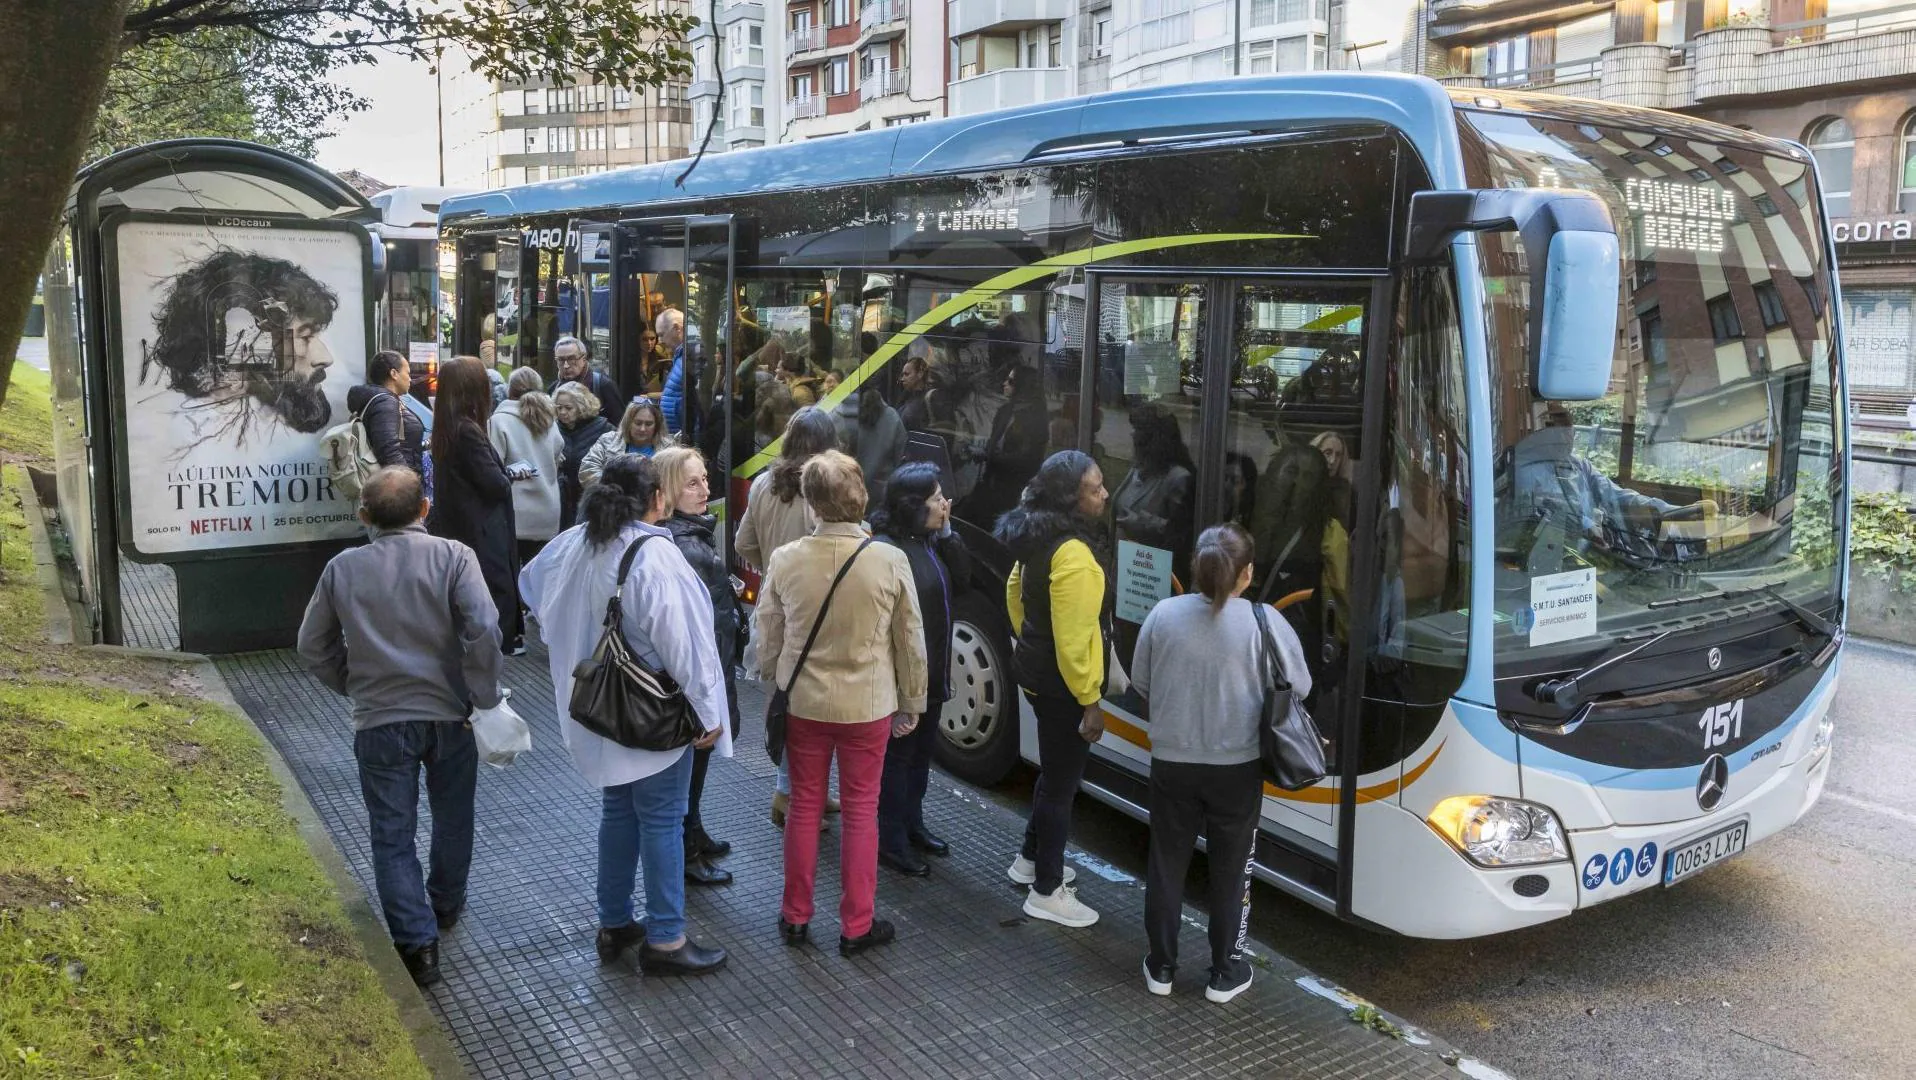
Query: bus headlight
{"points": [[1825, 728], [1493, 831]]}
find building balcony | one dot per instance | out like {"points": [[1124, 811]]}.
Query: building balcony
{"points": [[1007, 88], [805, 108], [800, 42], [1736, 62], [880, 84], [966, 17], [880, 19]]}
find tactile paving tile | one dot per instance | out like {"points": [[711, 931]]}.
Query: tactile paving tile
{"points": [[971, 988]]}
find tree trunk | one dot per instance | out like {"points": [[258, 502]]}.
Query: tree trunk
{"points": [[54, 59]]}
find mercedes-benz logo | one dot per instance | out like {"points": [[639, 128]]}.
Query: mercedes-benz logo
{"points": [[1716, 658], [1712, 782]]}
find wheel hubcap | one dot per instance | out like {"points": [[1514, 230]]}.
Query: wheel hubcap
{"points": [[978, 685]]}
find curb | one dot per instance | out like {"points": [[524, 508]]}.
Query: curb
{"points": [[422, 1026], [59, 615]]}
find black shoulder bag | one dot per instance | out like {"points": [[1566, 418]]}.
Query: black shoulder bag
{"points": [[778, 709], [620, 697], [1287, 737]]}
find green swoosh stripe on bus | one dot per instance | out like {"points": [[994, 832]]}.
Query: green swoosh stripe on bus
{"points": [[990, 288]]}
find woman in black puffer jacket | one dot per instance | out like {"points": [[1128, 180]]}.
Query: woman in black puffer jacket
{"points": [[683, 482], [916, 519]]}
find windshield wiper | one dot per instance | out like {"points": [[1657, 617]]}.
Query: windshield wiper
{"points": [[1817, 624], [1568, 692], [1725, 594]]}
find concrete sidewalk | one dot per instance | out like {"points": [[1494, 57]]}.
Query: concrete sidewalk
{"points": [[972, 988]]}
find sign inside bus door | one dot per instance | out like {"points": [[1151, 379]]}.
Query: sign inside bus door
{"points": [[1563, 607], [1144, 579]]}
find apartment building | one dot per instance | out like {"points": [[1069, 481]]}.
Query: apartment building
{"points": [[738, 64], [500, 133], [853, 68], [1837, 75]]}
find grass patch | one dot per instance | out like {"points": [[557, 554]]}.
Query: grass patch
{"points": [[26, 421], [159, 914]]}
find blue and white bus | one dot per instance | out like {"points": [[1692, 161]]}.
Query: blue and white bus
{"points": [[1534, 408]]}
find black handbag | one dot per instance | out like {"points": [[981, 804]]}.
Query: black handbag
{"points": [[778, 709], [620, 697], [1288, 740]]}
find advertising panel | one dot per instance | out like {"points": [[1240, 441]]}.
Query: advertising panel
{"points": [[239, 339]]}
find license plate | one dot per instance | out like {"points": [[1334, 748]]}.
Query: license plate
{"points": [[1704, 852]]}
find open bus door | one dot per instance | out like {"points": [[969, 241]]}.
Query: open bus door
{"points": [[1270, 385]]}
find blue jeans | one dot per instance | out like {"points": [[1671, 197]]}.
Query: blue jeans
{"points": [[390, 757], [644, 821]]}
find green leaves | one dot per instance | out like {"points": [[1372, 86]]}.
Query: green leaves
{"points": [[613, 41]]}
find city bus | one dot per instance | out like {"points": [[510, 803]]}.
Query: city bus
{"points": [[1533, 407], [406, 316]]}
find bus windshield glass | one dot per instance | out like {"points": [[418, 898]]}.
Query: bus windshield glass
{"points": [[1704, 484]]}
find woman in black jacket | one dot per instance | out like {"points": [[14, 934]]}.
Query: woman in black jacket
{"points": [[397, 436], [581, 426], [686, 489], [474, 504], [916, 518]]}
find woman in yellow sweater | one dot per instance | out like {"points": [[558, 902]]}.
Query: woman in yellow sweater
{"points": [[1056, 597]]}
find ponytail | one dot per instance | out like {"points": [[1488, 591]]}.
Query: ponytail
{"points": [[1223, 551]]}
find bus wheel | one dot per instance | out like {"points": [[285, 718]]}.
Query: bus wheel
{"points": [[978, 736]]}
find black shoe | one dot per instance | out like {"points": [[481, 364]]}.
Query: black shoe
{"points": [[700, 842], [794, 935], [614, 940], [1225, 985], [690, 958], [700, 872], [422, 963], [929, 844], [881, 933], [449, 918], [516, 647], [906, 863]]}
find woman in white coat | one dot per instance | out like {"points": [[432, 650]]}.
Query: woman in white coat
{"points": [[526, 435], [668, 623]]}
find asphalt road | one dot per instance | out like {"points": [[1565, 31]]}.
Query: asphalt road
{"points": [[1795, 959]]}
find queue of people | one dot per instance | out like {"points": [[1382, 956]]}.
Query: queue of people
{"points": [[853, 623]]}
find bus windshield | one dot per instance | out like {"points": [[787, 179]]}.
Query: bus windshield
{"points": [[1705, 483]]}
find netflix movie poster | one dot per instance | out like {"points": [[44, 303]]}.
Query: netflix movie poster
{"points": [[239, 342]]}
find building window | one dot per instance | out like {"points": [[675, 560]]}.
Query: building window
{"points": [[1725, 325], [841, 12], [621, 98], [1834, 145], [748, 107], [747, 44], [1259, 58], [1292, 55], [672, 94], [622, 137], [801, 22], [841, 75], [1263, 12], [1101, 34], [901, 121], [804, 87], [535, 102], [1055, 50], [1769, 303], [1906, 185], [535, 140], [1291, 10], [1506, 61]]}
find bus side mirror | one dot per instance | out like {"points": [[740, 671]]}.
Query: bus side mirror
{"points": [[1570, 243]]}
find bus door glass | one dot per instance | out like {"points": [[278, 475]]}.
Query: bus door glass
{"points": [[589, 311], [1287, 465]]}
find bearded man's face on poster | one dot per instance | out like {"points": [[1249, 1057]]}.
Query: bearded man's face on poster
{"points": [[242, 331]]}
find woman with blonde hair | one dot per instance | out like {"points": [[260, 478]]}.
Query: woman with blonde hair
{"points": [[641, 431], [581, 426], [526, 435], [687, 490], [840, 630]]}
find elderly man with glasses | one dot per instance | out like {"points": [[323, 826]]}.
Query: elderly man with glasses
{"points": [[574, 359]]}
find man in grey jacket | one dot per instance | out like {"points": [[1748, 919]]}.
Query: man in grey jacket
{"points": [[404, 627]]}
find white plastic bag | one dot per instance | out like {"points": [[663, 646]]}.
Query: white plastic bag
{"points": [[501, 733]]}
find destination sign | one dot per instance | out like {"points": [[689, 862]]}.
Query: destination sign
{"points": [[1687, 217]]}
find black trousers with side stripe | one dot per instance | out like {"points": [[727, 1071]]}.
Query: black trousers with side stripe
{"points": [[1224, 802]]}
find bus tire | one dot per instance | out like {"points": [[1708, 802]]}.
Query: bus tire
{"points": [[978, 729]]}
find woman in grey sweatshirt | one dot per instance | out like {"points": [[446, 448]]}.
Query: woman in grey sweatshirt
{"points": [[1197, 665]]}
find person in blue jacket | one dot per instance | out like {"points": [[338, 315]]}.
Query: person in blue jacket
{"points": [[671, 330]]}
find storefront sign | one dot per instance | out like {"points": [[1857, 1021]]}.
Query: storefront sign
{"points": [[1873, 230], [238, 346]]}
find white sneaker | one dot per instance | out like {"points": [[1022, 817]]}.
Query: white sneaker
{"points": [[1223, 988], [1061, 907], [1160, 987], [1023, 871]]}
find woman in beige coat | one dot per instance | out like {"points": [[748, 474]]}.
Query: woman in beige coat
{"points": [[862, 685]]}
